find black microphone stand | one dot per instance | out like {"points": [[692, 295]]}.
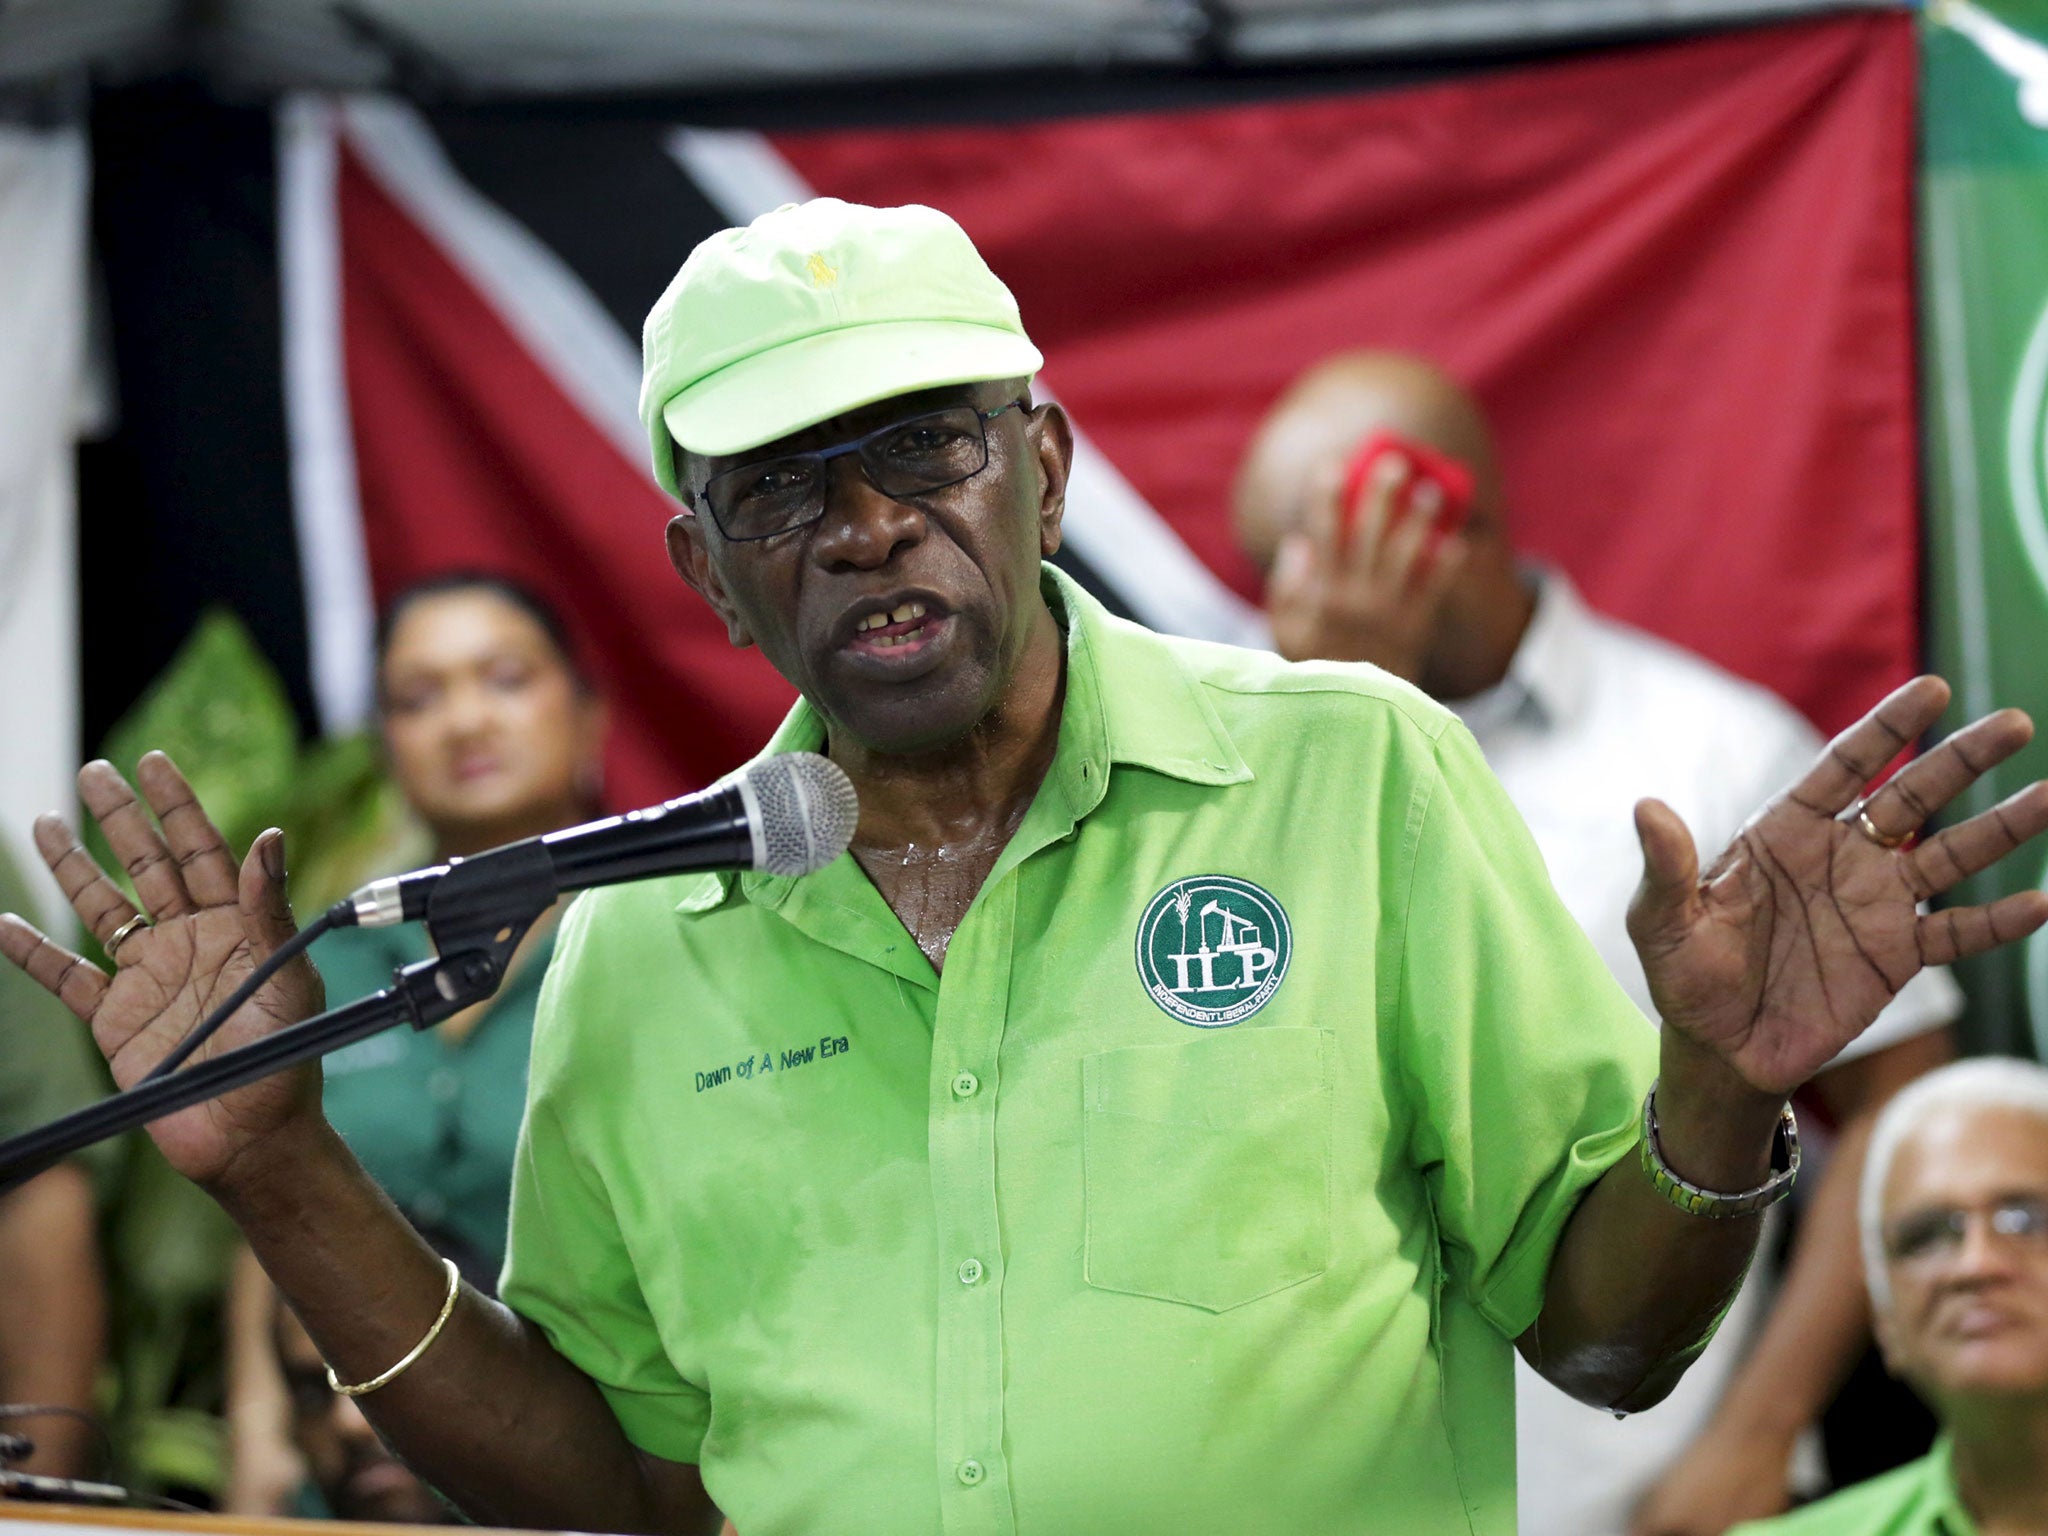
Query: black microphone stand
{"points": [[476, 916], [34, 1488]]}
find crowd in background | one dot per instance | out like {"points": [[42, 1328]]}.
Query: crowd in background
{"points": [[1931, 1199]]}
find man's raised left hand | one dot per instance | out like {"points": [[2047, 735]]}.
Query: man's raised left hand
{"points": [[1793, 940]]}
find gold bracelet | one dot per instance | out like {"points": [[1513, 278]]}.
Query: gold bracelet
{"points": [[433, 1333]]}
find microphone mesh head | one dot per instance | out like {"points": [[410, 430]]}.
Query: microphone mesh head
{"points": [[808, 811]]}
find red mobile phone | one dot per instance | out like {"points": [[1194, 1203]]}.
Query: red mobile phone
{"points": [[1452, 479]]}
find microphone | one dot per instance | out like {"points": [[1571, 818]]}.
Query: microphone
{"points": [[789, 815]]}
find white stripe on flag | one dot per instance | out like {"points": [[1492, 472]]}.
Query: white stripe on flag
{"points": [[548, 307], [334, 566], [1136, 551], [1108, 523], [742, 174]]}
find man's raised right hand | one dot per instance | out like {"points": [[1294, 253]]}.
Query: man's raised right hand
{"points": [[214, 921]]}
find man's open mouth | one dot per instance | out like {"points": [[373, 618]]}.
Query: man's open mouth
{"points": [[885, 630], [894, 630]]}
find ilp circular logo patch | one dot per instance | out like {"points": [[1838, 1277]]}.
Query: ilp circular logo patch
{"points": [[1213, 949]]}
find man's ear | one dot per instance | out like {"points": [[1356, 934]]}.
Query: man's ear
{"points": [[1052, 435], [686, 552]]}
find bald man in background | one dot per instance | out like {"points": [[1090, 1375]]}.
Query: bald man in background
{"points": [[1580, 717]]}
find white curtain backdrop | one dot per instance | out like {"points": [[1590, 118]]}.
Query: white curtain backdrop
{"points": [[43, 186]]}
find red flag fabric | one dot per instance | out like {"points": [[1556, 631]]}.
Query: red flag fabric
{"points": [[470, 454], [1678, 276]]}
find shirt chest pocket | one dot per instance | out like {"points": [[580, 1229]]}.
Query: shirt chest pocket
{"points": [[1207, 1166]]}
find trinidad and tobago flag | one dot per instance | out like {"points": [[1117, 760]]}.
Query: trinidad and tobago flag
{"points": [[359, 341]]}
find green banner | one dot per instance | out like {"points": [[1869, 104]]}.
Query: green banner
{"points": [[1984, 276]]}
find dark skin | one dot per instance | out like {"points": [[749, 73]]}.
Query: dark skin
{"points": [[1763, 969], [947, 746]]}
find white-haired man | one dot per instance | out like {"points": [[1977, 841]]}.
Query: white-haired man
{"points": [[1955, 1248]]}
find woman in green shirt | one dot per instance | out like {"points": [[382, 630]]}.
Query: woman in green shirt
{"points": [[492, 734]]}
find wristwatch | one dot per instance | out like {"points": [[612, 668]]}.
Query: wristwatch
{"points": [[1696, 1201]]}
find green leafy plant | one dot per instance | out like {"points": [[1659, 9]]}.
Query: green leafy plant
{"points": [[221, 713]]}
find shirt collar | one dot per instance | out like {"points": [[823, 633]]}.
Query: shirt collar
{"points": [[1551, 671], [1946, 1515], [1128, 702]]}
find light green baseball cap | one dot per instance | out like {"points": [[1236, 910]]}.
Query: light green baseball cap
{"points": [[812, 310]]}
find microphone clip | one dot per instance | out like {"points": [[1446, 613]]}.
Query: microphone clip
{"points": [[476, 915]]}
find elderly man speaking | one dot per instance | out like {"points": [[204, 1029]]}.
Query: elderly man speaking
{"points": [[1170, 1114], [1955, 1238]]}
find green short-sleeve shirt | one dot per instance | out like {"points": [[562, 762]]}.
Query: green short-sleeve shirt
{"points": [[434, 1120], [1153, 1214], [1918, 1499]]}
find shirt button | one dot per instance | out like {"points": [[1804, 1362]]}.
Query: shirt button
{"points": [[444, 1085], [965, 1085], [970, 1472], [970, 1271]]}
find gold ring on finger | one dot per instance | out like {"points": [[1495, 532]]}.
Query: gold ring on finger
{"points": [[121, 934], [1870, 828]]}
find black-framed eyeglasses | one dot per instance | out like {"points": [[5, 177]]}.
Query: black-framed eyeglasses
{"points": [[911, 457], [1938, 1233]]}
